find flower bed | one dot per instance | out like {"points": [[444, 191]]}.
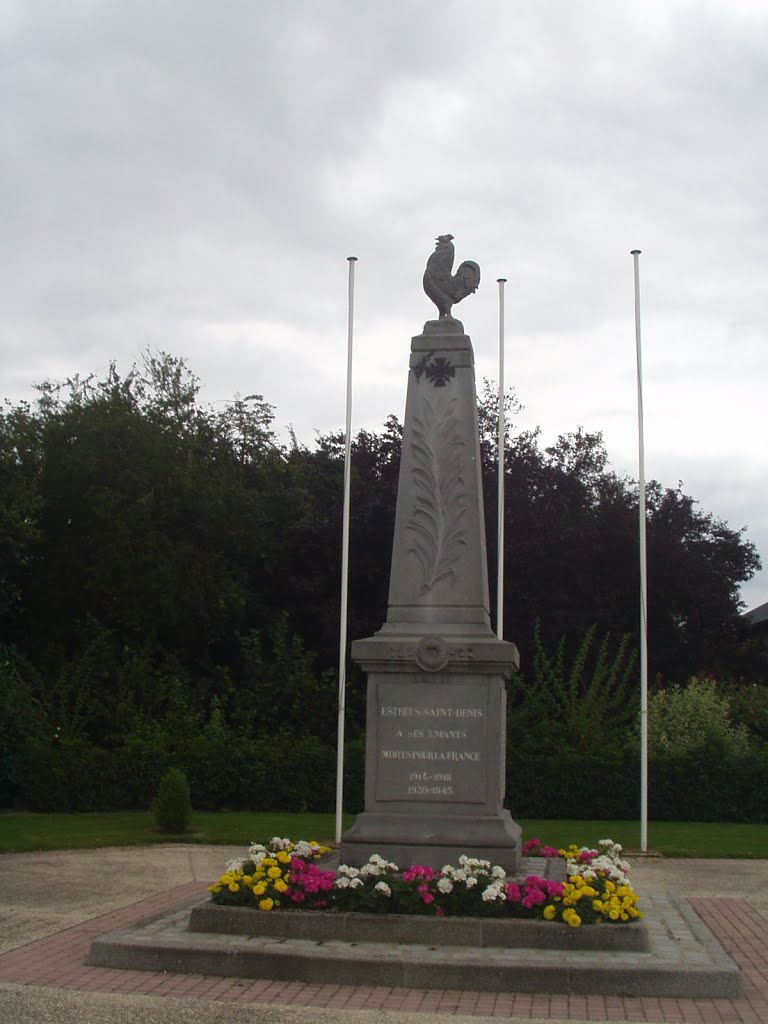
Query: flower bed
{"points": [[284, 874]]}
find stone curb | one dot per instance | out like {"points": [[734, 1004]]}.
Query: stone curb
{"points": [[320, 926]]}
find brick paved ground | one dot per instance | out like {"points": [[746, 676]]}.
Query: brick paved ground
{"points": [[59, 961]]}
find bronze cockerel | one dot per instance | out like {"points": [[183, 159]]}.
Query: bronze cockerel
{"points": [[443, 287]]}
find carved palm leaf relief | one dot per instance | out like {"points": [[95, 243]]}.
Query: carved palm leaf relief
{"points": [[440, 505]]}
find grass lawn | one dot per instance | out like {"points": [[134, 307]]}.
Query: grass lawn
{"points": [[24, 832]]}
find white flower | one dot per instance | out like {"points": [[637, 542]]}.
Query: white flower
{"points": [[498, 871], [471, 882], [370, 871], [386, 865], [610, 846], [383, 888], [341, 882], [303, 849], [447, 870], [445, 885], [473, 863], [350, 872], [256, 848], [355, 883], [235, 865], [493, 892], [277, 843]]}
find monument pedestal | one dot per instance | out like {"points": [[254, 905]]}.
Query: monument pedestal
{"points": [[434, 774], [436, 713]]}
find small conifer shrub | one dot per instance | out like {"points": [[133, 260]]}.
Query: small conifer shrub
{"points": [[172, 806]]}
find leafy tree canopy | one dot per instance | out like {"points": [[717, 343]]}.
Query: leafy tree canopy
{"points": [[148, 541]]}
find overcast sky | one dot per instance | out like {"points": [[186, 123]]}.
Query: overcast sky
{"points": [[190, 176]]}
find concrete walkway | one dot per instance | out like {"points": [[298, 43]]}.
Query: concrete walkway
{"points": [[53, 904]]}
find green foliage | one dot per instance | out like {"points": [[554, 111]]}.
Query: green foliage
{"points": [[584, 706], [20, 717], [571, 785], [279, 684], [693, 787], [694, 719], [172, 807], [571, 550], [749, 708], [169, 592]]}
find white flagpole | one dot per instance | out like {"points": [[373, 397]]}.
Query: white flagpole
{"points": [[500, 508], [345, 559], [643, 572]]}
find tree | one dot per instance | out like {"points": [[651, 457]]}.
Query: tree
{"points": [[165, 562], [571, 553]]}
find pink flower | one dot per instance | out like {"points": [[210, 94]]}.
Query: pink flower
{"points": [[513, 893], [533, 898], [532, 847], [428, 897], [418, 871]]}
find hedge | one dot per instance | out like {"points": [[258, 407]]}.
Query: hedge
{"points": [[298, 773]]}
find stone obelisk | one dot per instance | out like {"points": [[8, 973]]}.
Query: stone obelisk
{"points": [[436, 709]]}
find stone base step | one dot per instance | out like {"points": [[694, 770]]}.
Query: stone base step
{"points": [[684, 959]]}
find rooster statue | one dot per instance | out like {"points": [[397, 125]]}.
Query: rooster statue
{"points": [[443, 287]]}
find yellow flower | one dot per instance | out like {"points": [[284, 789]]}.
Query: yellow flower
{"points": [[266, 904], [269, 862], [247, 880], [259, 889], [234, 887], [214, 888], [280, 885], [284, 857], [274, 873], [549, 912]]}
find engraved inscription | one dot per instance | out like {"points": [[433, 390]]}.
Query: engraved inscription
{"points": [[432, 742], [437, 520]]}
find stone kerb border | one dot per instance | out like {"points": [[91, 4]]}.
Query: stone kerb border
{"points": [[478, 933]]}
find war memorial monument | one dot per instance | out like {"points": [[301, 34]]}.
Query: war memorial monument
{"points": [[435, 753], [436, 712]]}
